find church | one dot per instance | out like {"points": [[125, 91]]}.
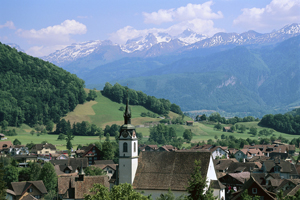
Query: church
{"points": [[156, 172]]}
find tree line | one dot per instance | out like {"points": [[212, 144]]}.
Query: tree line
{"points": [[118, 94], [284, 123], [34, 91]]}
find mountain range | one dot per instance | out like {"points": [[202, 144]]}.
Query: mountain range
{"points": [[241, 74]]}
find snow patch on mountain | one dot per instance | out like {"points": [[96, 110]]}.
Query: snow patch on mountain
{"points": [[17, 47]]}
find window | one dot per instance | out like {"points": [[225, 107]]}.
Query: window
{"points": [[110, 171], [254, 190], [125, 147], [134, 147], [90, 158], [29, 190], [37, 196]]}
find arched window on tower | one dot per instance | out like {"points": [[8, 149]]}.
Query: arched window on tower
{"points": [[125, 147], [134, 147]]}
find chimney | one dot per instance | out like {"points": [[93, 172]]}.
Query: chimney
{"points": [[81, 173]]}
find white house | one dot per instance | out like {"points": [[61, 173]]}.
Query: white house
{"points": [[218, 151]]}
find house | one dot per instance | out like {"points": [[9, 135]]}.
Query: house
{"points": [[222, 165], [227, 129], [28, 189], [219, 152], [107, 166], [167, 148], [43, 149], [75, 187], [189, 123], [59, 156], [69, 166], [244, 154], [5, 146], [151, 148], [236, 167], [235, 181], [25, 159], [91, 152], [219, 189], [2, 136], [19, 150], [158, 172], [254, 189], [287, 185], [285, 169]]}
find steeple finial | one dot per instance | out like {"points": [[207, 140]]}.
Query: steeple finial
{"points": [[127, 114]]}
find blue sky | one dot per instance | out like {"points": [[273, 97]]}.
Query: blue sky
{"points": [[41, 27]]}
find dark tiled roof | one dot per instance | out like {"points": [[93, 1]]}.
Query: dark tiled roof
{"points": [[164, 170], [68, 184], [222, 164], [20, 187], [258, 159], [248, 166], [259, 177], [71, 163], [293, 191], [248, 184], [39, 147], [105, 162], [275, 182], [215, 184], [102, 166]]}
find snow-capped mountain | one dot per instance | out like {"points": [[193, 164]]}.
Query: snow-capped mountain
{"points": [[189, 37], [156, 44], [12, 45], [249, 37], [76, 51]]}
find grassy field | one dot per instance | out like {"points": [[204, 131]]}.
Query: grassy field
{"points": [[104, 112], [101, 112]]}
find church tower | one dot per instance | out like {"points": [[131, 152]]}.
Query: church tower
{"points": [[128, 149]]}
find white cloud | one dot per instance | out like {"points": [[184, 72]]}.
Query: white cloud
{"points": [[201, 26], [188, 12], [197, 17], [276, 14], [58, 34], [8, 24]]}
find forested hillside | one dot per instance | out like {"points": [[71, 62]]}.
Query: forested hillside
{"points": [[117, 93], [34, 91]]}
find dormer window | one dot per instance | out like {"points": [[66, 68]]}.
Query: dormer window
{"points": [[125, 147]]}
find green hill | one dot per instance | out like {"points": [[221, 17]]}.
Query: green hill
{"points": [[33, 91]]}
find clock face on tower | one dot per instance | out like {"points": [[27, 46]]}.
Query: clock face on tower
{"points": [[125, 134]]}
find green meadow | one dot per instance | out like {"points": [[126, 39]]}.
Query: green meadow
{"points": [[104, 112]]}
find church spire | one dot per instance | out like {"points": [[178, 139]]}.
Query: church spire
{"points": [[127, 114]]}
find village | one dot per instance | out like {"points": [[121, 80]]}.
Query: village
{"points": [[263, 171]]}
